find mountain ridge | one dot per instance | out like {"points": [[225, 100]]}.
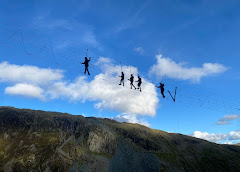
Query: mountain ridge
{"points": [[34, 140]]}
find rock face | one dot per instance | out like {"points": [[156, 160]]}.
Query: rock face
{"points": [[49, 141]]}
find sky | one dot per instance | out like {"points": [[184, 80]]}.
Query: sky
{"points": [[191, 45]]}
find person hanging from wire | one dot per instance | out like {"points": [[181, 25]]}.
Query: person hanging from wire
{"points": [[161, 88], [131, 81], [139, 83], [86, 62], [122, 79]]}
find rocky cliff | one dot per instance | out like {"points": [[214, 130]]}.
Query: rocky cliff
{"points": [[49, 141]]}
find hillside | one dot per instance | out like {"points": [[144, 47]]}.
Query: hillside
{"points": [[50, 141]]}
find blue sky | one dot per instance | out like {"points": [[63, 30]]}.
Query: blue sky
{"points": [[192, 45]]}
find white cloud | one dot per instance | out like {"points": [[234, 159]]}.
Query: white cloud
{"points": [[28, 74], [75, 91], [166, 67], [227, 118], [231, 117], [210, 136], [223, 122], [225, 138], [131, 119], [234, 135], [25, 90], [103, 60], [112, 96], [139, 50]]}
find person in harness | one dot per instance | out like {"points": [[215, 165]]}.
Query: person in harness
{"points": [[131, 81], [86, 62], [122, 79], [162, 89], [139, 82]]}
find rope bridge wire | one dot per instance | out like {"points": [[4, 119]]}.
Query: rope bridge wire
{"points": [[45, 33], [69, 57], [180, 101], [179, 94]]}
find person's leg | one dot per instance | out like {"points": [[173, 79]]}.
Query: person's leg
{"points": [[121, 81], [88, 71], [163, 94], [85, 70], [134, 86]]}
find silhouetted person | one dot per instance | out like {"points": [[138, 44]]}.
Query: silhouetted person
{"points": [[131, 81], [162, 89], [139, 82], [122, 79], [86, 65]]}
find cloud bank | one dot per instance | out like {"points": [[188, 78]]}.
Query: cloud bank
{"points": [[166, 67], [103, 90], [218, 138]]}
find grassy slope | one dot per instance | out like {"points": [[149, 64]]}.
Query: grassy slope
{"points": [[39, 140]]}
